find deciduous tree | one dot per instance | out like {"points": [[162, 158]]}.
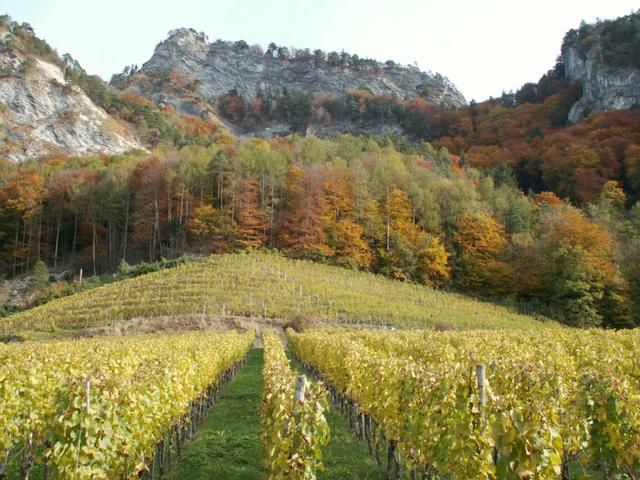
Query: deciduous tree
{"points": [[251, 229], [213, 228], [432, 262], [303, 226], [480, 241]]}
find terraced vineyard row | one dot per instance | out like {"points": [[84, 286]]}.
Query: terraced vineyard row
{"points": [[265, 285], [486, 405], [107, 408]]}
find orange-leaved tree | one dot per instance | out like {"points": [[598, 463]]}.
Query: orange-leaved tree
{"points": [[345, 235], [569, 267], [252, 226], [21, 201], [349, 243], [305, 207], [213, 228]]}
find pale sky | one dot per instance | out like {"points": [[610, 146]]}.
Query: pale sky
{"points": [[483, 46]]}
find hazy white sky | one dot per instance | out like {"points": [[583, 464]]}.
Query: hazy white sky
{"points": [[483, 46]]}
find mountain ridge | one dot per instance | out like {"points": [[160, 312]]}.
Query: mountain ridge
{"points": [[193, 91], [300, 68], [288, 90]]}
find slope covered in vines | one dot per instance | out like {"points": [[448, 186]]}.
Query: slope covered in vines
{"points": [[265, 286]]}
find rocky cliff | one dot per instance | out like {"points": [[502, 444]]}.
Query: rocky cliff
{"points": [[42, 114], [212, 69], [603, 88], [604, 58]]}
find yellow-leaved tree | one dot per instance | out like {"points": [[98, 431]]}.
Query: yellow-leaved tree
{"points": [[214, 229], [411, 252], [433, 262], [480, 240], [303, 221]]}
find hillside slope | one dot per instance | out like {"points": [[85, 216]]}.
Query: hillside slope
{"points": [[266, 286]]}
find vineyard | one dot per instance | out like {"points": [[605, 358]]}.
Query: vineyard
{"points": [[110, 407], [483, 404], [511, 397], [486, 405], [268, 286]]}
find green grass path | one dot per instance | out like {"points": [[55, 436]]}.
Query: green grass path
{"points": [[227, 446], [345, 457]]}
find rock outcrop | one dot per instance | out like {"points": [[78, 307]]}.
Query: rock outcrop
{"points": [[220, 67], [603, 58], [603, 88], [41, 114]]}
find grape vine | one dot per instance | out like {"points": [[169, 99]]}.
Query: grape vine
{"points": [[554, 404], [294, 428], [103, 408]]}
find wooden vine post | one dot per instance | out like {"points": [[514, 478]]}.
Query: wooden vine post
{"points": [[87, 386], [481, 377], [301, 386]]}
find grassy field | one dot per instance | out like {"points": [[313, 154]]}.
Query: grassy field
{"points": [[261, 285]]}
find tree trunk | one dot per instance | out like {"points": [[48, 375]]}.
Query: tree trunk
{"points": [[93, 244], [39, 239], [181, 204], [110, 241], [271, 214], [15, 245], [75, 234], [30, 237], [55, 252], [388, 220], [156, 225], [126, 230], [186, 208]]}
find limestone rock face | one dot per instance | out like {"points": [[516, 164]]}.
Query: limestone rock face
{"points": [[41, 114], [603, 88], [219, 67]]}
